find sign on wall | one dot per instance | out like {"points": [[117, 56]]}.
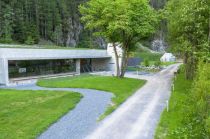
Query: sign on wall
{"points": [[22, 70]]}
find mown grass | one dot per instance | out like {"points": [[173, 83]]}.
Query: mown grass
{"points": [[167, 63], [148, 55], [171, 121], [26, 114], [121, 88]]}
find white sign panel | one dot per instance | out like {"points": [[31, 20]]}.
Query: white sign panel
{"points": [[22, 70]]}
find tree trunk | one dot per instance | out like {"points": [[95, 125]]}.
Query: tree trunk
{"points": [[124, 65], [124, 61], [185, 57], [209, 31], [116, 60], [189, 62], [37, 15]]}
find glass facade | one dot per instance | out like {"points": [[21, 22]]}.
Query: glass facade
{"points": [[29, 68], [86, 65]]}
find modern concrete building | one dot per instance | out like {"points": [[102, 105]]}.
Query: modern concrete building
{"points": [[19, 63]]}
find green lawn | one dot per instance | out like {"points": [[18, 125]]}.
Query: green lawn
{"points": [[172, 121], [25, 114], [167, 63], [148, 55], [121, 88]]}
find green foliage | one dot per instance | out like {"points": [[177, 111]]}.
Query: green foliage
{"points": [[86, 40], [157, 63], [6, 29], [144, 53], [189, 35], [51, 20], [191, 30], [121, 88], [109, 19], [120, 21], [146, 62], [29, 40], [167, 63], [57, 35], [189, 108], [199, 116], [26, 114]]}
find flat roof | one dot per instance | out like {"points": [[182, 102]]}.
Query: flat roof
{"points": [[38, 54]]}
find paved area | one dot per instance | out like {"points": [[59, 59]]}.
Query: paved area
{"points": [[138, 117], [80, 121]]}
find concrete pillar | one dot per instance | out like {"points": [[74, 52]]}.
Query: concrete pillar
{"points": [[4, 73], [78, 66]]}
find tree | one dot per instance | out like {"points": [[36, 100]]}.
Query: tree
{"points": [[189, 34], [7, 24], [120, 21], [46, 17]]}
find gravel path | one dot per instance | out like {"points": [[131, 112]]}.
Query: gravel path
{"points": [[79, 122], [138, 117]]}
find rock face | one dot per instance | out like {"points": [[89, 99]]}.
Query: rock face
{"points": [[158, 43], [77, 36], [74, 32]]}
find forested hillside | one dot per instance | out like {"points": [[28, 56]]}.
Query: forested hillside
{"points": [[29, 21], [54, 21]]}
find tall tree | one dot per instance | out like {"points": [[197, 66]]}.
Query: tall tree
{"points": [[189, 34], [7, 24], [40, 19], [120, 21]]}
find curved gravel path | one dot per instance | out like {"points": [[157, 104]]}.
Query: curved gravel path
{"points": [[138, 117], [79, 122]]}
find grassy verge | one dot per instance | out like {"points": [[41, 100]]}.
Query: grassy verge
{"points": [[167, 63], [121, 88], [189, 107], [173, 120], [148, 55], [25, 114]]}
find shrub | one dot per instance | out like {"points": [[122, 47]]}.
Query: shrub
{"points": [[157, 63], [146, 62], [29, 40], [197, 121]]}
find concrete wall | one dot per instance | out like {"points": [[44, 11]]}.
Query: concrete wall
{"points": [[100, 64], [112, 61], [4, 79]]}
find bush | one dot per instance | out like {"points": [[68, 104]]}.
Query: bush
{"points": [[189, 107], [197, 120], [146, 62], [157, 63], [29, 40], [201, 99]]}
